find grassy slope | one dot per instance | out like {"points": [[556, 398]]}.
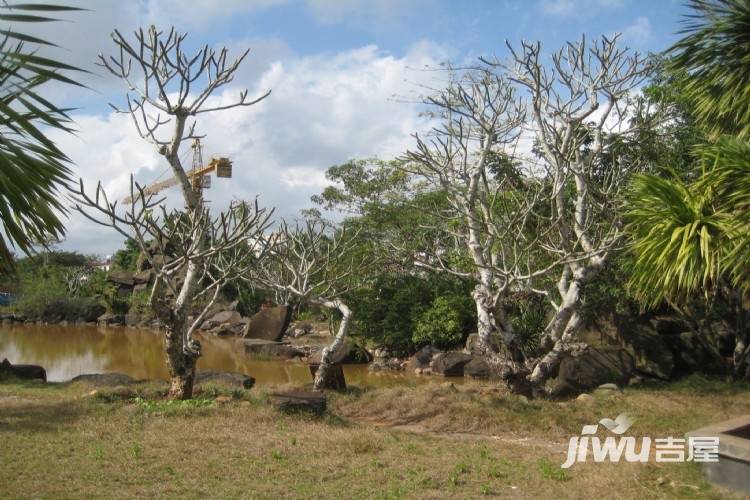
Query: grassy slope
{"points": [[447, 442]]}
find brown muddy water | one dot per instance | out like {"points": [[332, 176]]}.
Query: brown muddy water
{"points": [[67, 351]]}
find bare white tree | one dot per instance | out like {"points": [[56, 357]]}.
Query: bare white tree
{"points": [[312, 262], [581, 110], [470, 156], [167, 87], [521, 217]]}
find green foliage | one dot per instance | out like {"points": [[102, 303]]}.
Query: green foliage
{"points": [[126, 258], [690, 236], [138, 302], [714, 53], [387, 312], [444, 323], [32, 168]]}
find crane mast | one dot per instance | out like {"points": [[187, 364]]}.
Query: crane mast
{"points": [[199, 175]]}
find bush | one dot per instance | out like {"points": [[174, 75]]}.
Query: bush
{"points": [[442, 325], [386, 314]]}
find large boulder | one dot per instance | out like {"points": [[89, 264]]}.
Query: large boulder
{"points": [[220, 318], [109, 319], [422, 358], [582, 370], [271, 349], [450, 364], [478, 367], [651, 353], [228, 379], [124, 278], [269, 323], [104, 379], [26, 372]]}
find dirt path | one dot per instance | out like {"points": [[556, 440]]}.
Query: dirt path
{"points": [[416, 428]]}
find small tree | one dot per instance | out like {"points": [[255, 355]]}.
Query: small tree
{"points": [[167, 88], [312, 263]]}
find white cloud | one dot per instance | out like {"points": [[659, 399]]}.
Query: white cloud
{"points": [[578, 8], [638, 32], [324, 110]]}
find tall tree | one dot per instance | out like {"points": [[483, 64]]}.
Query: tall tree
{"points": [[167, 88], [33, 169]]}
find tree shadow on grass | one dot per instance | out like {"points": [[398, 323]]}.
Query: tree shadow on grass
{"points": [[27, 411]]}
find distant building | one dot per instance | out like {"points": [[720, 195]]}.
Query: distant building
{"points": [[104, 264]]}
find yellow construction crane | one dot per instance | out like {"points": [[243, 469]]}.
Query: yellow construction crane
{"points": [[199, 175]]}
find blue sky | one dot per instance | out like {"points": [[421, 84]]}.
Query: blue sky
{"points": [[337, 70]]}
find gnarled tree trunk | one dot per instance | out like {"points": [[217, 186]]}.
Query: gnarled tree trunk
{"points": [[338, 341]]}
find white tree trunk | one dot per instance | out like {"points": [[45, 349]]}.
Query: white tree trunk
{"points": [[338, 341]]}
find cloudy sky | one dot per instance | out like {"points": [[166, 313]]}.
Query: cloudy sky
{"points": [[342, 75]]}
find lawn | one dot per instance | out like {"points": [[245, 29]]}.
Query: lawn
{"points": [[434, 440]]}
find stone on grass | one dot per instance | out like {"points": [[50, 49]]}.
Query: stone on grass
{"points": [[295, 401], [585, 398], [104, 379], [228, 379]]}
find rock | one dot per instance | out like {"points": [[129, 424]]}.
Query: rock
{"points": [[585, 398], [691, 354], [635, 381], [123, 392], [104, 379], [299, 329], [269, 323], [121, 278], [229, 379], [270, 348], [26, 372], [144, 277], [294, 401], [581, 371], [107, 319], [608, 387], [650, 352], [334, 380], [669, 325], [450, 364], [478, 367], [422, 358], [221, 318]]}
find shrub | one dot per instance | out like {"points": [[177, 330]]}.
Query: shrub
{"points": [[385, 314], [442, 325]]}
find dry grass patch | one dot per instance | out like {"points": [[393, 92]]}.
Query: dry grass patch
{"points": [[58, 444]]}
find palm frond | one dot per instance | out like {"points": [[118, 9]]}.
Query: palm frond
{"points": [[32, 169]]}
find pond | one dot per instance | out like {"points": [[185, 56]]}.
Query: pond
{"points": [[67, 351]]}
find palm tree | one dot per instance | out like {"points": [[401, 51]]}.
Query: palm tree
{"points": [[715, 53], [689, 238], [32, 168]]}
